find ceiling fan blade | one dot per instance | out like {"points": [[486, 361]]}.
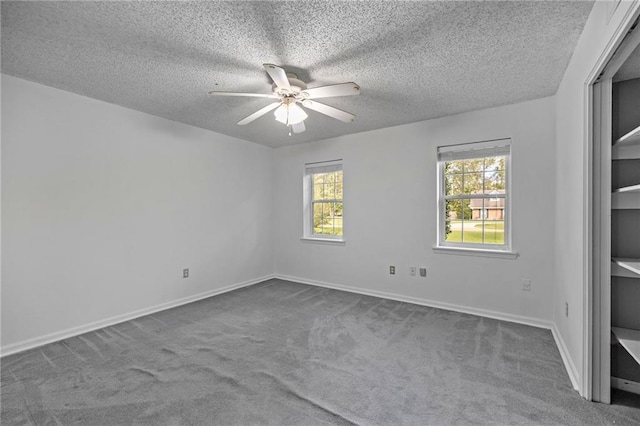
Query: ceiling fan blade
{"points": [[253, 95], [342, 89], [329, 110], [278, 76], [298, 127], [258, 113]]}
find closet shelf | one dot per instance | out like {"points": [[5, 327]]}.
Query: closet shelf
{"points": [[630, 267], [624, 152], [625, 201], [630, 138], [630, 340], [630, 188]]}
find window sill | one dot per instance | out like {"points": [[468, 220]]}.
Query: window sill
{"points": [[322, 241], [503, 254]]}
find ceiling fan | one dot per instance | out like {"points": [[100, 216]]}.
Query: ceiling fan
{"points": [[290, 94]]}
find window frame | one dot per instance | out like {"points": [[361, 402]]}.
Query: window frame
{"points": [[499, 250], [311, 169]]}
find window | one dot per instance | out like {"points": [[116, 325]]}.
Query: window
{"points": [[473, 196], [323, 209]]}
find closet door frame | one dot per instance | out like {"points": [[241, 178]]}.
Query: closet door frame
{"points": [[596, 385]]}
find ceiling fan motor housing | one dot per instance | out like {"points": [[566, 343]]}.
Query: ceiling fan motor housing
{"points": [[290, 95]]}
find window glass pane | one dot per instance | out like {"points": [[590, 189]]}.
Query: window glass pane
{"points": [[318, 218], [493, 232], [466, 209], [457, 212], [318, 186], [472, 216], [494, 163], [453, 231], [494, 181], [494, 208], [337, 218], [453, 184], [338, 210], [455, 166], [473, 183], [473, 165], [326, 218], [463, 209], [327, 190], [472, 231], [331, 221], [476, 205], [453, 210]]}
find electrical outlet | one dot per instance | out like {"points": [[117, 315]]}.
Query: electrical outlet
{"points": [[185, 273], [412, 271], [526, 284], [423, 272], [566, 309], [392, 270]]}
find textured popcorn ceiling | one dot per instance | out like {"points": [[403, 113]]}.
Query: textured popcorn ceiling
{"points": [[413, 60]]}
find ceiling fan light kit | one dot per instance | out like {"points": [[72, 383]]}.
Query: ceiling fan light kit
{"points": [[291, 93], [290, 113]]}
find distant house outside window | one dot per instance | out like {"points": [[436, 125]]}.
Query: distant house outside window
{"points": [[323, 201], [473, 195]]}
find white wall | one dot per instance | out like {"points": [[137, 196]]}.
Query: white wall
{"points": [[102, 208], [572, 176], [390, 214]]}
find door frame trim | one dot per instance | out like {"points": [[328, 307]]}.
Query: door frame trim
{"points": [[595, 383]]}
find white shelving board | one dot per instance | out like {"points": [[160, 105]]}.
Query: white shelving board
{"points": [[631, 138], [627, 147], [619, 271], [625, 152], [630, 340], [625, 385], [630, 188], [625, 200], [631, 267]]}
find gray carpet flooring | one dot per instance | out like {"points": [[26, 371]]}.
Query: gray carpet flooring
{"points": [[283, 353]]}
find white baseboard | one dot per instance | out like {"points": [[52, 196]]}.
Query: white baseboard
{"points": [[75, 331], [535, 322], [572, 371], [562, 348]]}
